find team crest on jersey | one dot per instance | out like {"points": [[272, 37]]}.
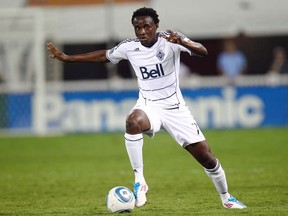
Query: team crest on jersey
{"points": [[160, 55]]}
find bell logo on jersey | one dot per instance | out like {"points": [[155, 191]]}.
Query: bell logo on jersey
{"points": [[154, 73]]}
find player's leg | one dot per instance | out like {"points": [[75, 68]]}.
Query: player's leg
{"points": [[184, 129], [202, 153], [136, 123]]}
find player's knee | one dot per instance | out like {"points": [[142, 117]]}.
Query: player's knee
{"points": [[133, 124], [208, 161]]}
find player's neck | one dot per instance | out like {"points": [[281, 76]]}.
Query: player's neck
{"points": [[155, 39]]}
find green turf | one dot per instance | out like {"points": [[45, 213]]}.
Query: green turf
{"points": [[70, 175]]}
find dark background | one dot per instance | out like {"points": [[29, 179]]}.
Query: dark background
{"points": [[258, 51]]}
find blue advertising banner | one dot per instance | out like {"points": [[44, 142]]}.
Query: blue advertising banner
{"points": [[239, 107], [106, 111], [19, 110]]}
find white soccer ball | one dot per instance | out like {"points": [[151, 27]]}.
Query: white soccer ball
{"points": [[120, 199]]}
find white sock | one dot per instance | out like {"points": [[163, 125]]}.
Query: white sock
{"points": [[218, 178], [134, 144]]}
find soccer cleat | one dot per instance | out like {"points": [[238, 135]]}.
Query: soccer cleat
{"points": [[233, 203], [140, 191]]}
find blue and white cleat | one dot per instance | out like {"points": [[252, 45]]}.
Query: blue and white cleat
{"points": [[233, 203], [140, 190]]}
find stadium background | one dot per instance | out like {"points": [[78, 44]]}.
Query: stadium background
{"points": [[66, 170], [42, 96]]}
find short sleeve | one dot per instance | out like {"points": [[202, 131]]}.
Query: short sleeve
{"points": [[182, 48], [117, 53], [177, 47]]}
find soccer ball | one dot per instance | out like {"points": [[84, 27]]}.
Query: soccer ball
{"points": [[120, 199]]}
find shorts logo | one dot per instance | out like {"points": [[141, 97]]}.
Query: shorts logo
{"points": [[154, 73]]}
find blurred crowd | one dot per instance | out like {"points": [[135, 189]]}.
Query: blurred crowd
{"points": [[228, 57]]}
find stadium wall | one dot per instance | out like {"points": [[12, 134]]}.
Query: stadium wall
{"points": [[75, 108]]}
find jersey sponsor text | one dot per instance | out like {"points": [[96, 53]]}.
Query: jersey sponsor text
{"points": [[153, 73]]}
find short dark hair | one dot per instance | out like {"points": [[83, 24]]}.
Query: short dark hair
{"points": [[146, 12]]}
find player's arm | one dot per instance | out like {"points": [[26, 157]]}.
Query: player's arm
{"points": [[195, 47], [96, 56]]}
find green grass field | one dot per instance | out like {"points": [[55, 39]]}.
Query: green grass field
{"points": [[70, 175]]}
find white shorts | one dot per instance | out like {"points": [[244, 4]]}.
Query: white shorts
{"points": [[179, 123]]}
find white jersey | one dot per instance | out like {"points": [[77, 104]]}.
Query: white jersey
{"points": [[157, 69]]}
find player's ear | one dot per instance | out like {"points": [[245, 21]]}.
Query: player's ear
{"points": [[157, 25]]}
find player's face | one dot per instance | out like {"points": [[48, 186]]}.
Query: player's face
{"points": [[145, 30]]}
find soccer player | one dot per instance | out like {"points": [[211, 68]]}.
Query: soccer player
{"points": [[155, 58]]}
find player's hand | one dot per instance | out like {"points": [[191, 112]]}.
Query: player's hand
{"points": [[173, 37], [56, 53]]}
